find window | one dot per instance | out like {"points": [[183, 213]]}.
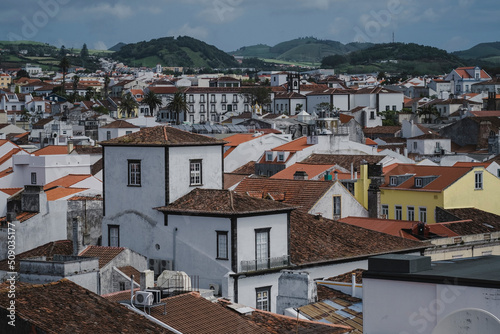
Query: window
{"points": [[229, 107], [202, 108], [411, 213], [246, 108], [195, 172], [128, 132], [212, 107], [418, 182], [422, 215], [212, 98], [387, 108], [394, 181], [262, 248], [114, 235], [108, 135], [191, 119], [269, 156], [202, 98], [263, 302], [415, 145], [39, 108], [191, 98], [394, 108], [224, 98], [398, 212], [202, 118], [235, 98], [478, 184], [281, 156], [235, 107], [33, 178], [122, 286], [498, 172], [191, 108], [14, 108], [224, 107], [337, 208], [222, 245], [134, 173], [385, 211], [372, 114]]}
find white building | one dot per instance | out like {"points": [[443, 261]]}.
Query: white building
{"points": [[408, 294], [116, 129], [462, 78]]}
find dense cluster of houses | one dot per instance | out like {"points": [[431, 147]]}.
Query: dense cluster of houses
{"points": [[299, 214]]}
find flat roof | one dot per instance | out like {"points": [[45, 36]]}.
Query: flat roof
{"points": [[482, 271]]}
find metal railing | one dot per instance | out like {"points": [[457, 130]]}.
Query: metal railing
{"points": [[263, 264]]}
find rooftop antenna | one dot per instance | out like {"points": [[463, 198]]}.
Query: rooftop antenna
{"points": [[393, 37]]}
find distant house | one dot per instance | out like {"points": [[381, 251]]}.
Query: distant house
{"points": [[116, 129], [462, 78], [429, 145]]}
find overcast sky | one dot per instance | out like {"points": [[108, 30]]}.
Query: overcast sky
{"points": [[230, 24]]}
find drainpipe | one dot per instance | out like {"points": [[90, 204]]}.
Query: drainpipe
{"points": [[353, 285]]}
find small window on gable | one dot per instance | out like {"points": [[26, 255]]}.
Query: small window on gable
{"points": [[418, 182], [281, 156], [269, 156], [478, 184], [394, 181]]}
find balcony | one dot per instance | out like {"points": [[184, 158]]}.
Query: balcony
{"points": [[264, 264]]}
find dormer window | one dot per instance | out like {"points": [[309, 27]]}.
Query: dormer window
{"points": [[394, 181], [418, 182], [281, 156], [269, 156]]}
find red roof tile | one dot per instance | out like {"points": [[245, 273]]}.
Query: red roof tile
{"points": [[60, 192], [104, 253], [67, 181], [246, 169], [295, 145], [312, 170], [119, 124], [52, 150], [21, 216], [11, 191]]}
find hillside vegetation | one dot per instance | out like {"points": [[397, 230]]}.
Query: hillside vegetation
{"points": [[169, 51]]}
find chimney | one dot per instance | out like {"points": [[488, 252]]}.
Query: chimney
{"points": [[147, 279], [335, 176], [70, 146], [328, 177], [300, 175], [75, 237], [33, 198]]}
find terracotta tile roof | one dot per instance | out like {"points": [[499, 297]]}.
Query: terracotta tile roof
{"points": [[347, 277], [446, 176], [192, 314], [398, 228], [462, 72], [382, 129], [316, 239], [66, 307], [481, 221], [301, 193], [369, 141], [428, 136], [97, 166], [67, 181], [486, 113], [343, 160], [61, 247], [162, 136], [230, 179], [345, 118], [103, 253], [21, 216], [9, 155], [52, 150], [246, 169], [120, 124], [11, 191], [129, 270], [119, 296], [330, 91], [295, 145], [289, 95], [41, 123], [222, 203], [471, 164], [86, 198], [239, 138], [87, 149], [315, 171], [331, 294], [60, 192], [6, 172]]}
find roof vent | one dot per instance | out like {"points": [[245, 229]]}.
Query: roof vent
{"points": [[300, 175]]}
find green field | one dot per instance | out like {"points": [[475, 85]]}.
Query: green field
{"points": [[291, 63]]}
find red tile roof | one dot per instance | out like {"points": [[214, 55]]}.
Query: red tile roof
{"points": [[192, 314], [61, 247], [104, 253], [129, 271], [21, 216], [66, 307], [222, 203], [246, 169], [60, 192], [120, 124], [301, 193], [119, 296], [312, 170], [11, 191], [230, 179], [487, 113], [475, 221], [52, 150], [446, 176], [9, 155], [239, 138], [295, 145], [67, 181], [343, 160], [462, 72], [162, 136], [315, 239]]}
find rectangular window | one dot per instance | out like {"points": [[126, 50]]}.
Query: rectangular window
{"points": [[263, 302], [212, 98], [398, 212], [235, 107], [195, 172], [212, 107], [128, 132], [385, 211], [202, 108], [394, 108], [191, 108], [411, 213], [202, 98], [415, 145], [191, 98], [281, 156], [372, 114], [387, 108], [246, 108], [122, 286], [202, 118], [269, 156], [262, 248], [235, 98], [478, 184], [222, 245], [337, 208], [114, 235], [224, 107], [422, 215], [108, 135], [191, 119], [224, 98], [33, 178], [134, 173]]}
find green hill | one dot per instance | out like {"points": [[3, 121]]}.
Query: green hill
{"points": [[480, 51], [306, 49], [117, 47], [395, 57], [169, 51]]}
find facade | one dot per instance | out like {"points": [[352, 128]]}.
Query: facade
{"points": [[462, 78], [429, 144], [116, 129]]}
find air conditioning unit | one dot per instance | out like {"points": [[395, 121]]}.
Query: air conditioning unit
{"points": [[144, 298], [215, 287], [156, 295], [159, 266]]}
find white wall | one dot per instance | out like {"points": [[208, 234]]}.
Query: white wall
{"points": [[349, 205], [179, 158]]}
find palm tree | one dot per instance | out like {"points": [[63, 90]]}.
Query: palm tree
{"points": [[178, 104], [128, 105], [64, 64], [152, 100], [427, 111], [106, 86], [76, 80]]}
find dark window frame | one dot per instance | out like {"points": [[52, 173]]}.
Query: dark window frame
{"points": [[266, 289], [191, 172], [110, 227], [226, 250], [135, 183]]}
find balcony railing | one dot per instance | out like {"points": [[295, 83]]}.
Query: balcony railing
{"points": [[263, 264]]}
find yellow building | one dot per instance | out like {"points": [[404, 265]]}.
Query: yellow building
{"points": [[412, 192], [5, 80]]}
